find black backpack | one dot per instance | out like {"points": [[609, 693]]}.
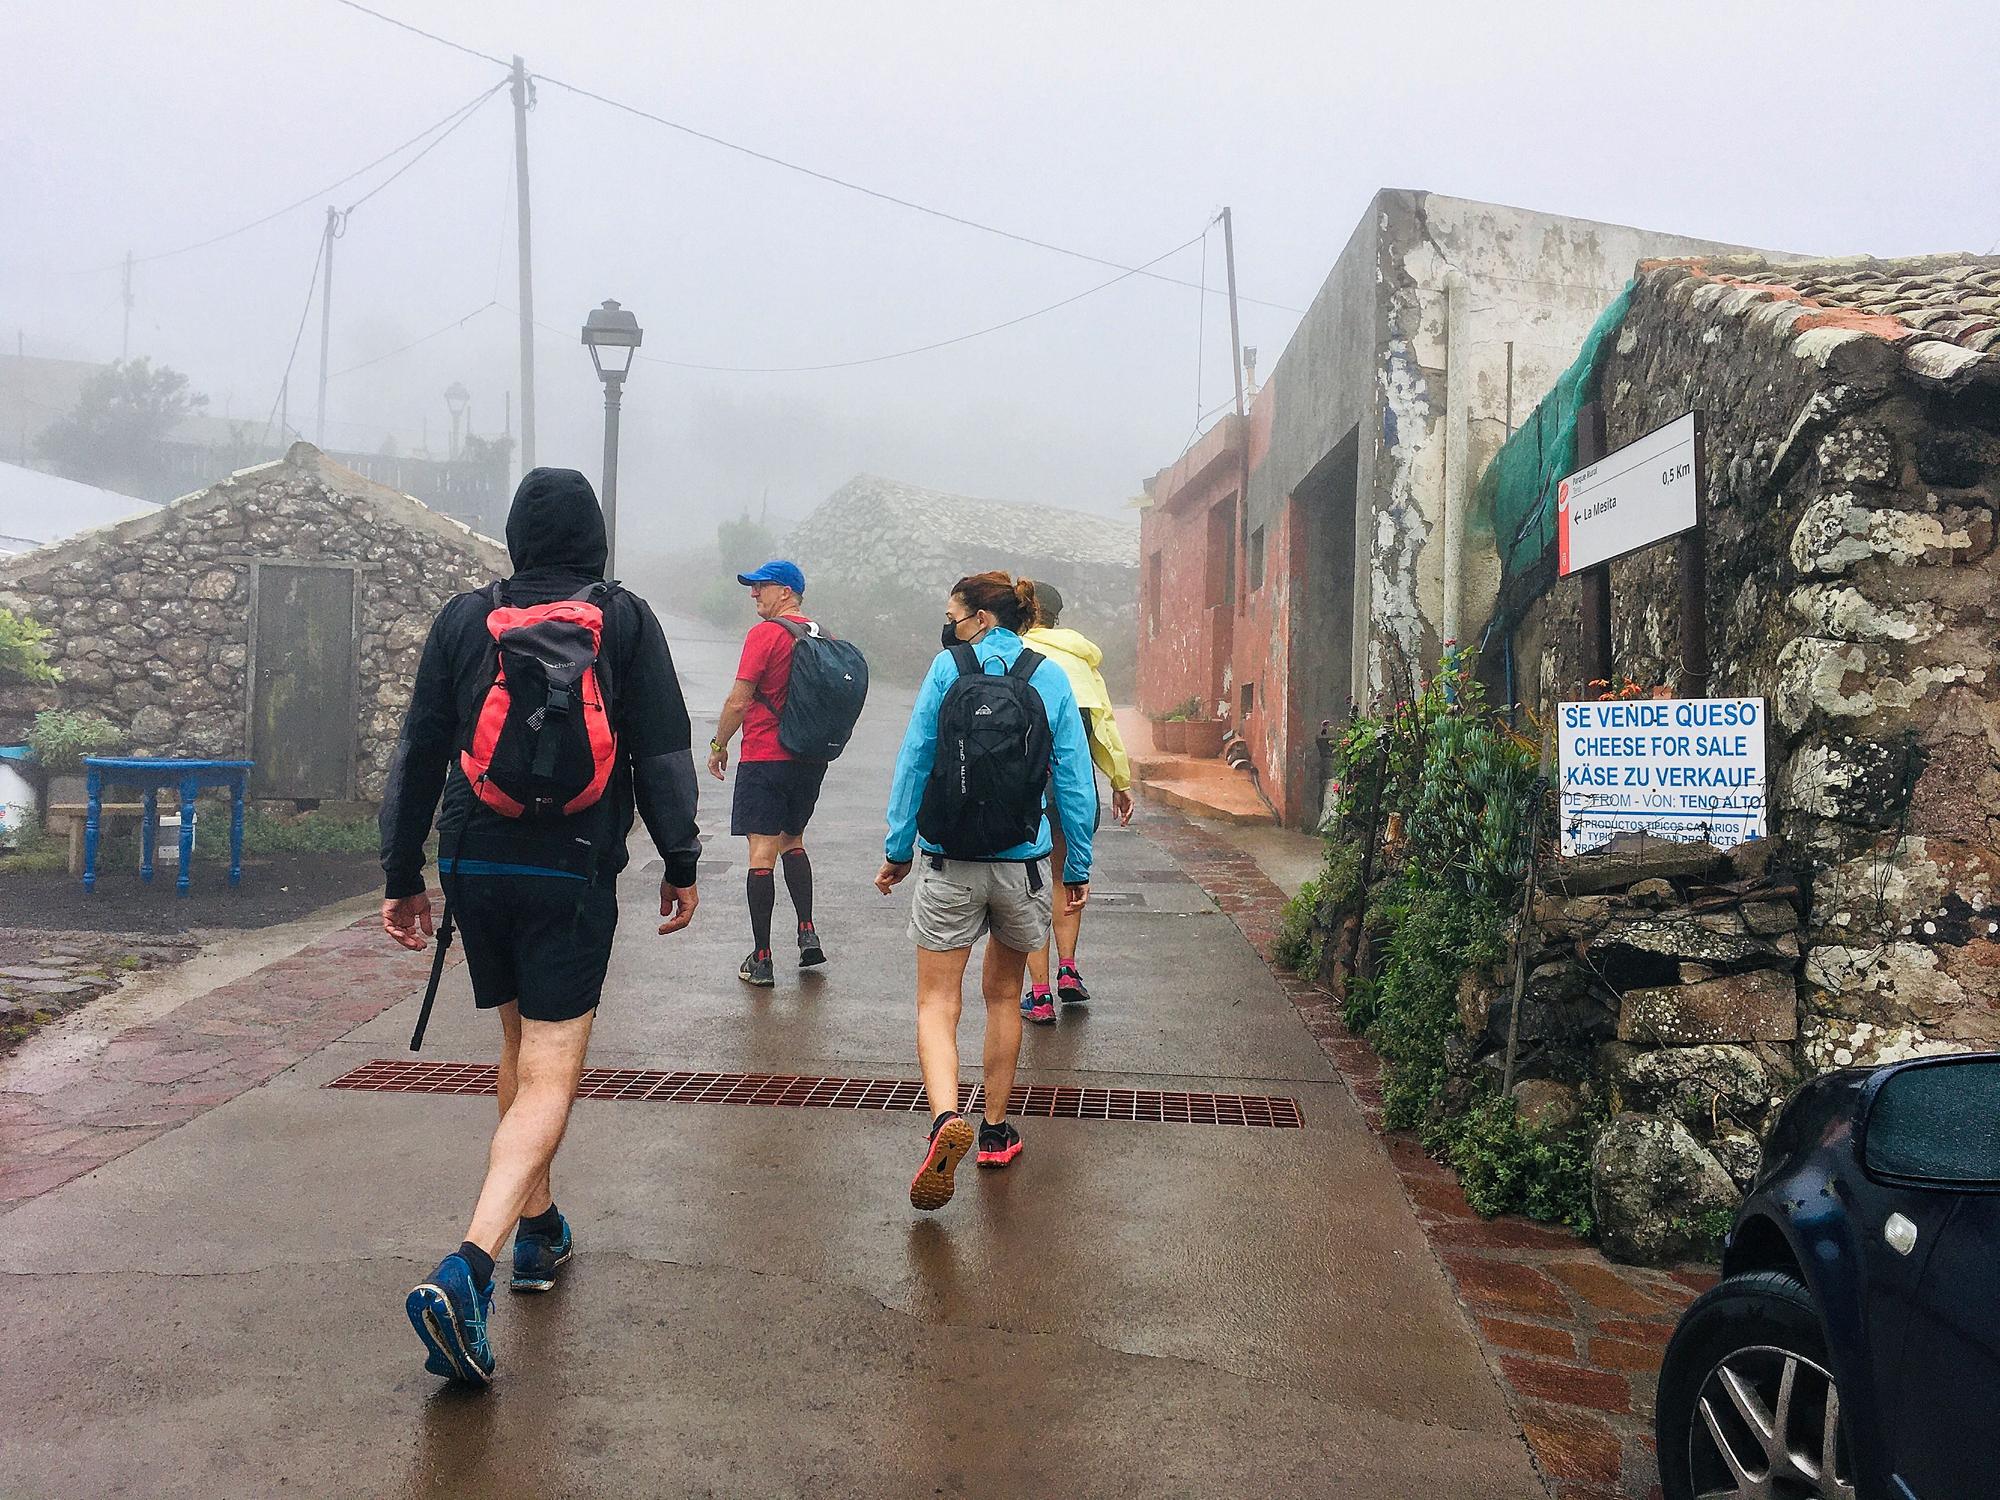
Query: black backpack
{"points": [[823, 699], [991, 773]]}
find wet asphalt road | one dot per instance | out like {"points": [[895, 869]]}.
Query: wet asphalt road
{"points": [[755, 1310]]}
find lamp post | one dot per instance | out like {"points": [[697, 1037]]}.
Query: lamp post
{"points": [[456, 399], [612, 335]]}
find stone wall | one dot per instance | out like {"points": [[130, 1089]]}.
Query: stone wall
{"points": [[879, 557], [1853, 583], [152, 617]]}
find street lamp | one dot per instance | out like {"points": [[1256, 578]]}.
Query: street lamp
{"points": [[612, 335], [456, 399]]}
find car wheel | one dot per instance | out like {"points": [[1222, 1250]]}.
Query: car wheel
{"points": [[1748, 1408]]}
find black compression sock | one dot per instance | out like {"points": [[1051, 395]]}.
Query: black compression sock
{"points": [[799, 882], [763, 892], [547, 1224], [479, 1260]]}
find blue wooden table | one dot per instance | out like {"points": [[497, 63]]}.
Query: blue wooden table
{"points": [[190, 776]]}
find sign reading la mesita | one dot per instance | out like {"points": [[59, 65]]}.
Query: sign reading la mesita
{"points": [[1645, 492], [1689, 770]]}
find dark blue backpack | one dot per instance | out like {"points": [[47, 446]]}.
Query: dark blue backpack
{"points": [[991, 773], [828, 685]]}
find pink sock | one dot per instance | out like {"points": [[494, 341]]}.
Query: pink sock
{"points": [[1039, 991]]}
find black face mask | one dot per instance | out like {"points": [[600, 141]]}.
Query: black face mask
{"points": [[949, 637]]}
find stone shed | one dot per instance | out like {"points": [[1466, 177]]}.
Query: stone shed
{"points": [[879, 555], [277, 615]]}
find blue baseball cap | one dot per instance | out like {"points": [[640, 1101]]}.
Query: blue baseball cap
{"points": [[777, 570]]}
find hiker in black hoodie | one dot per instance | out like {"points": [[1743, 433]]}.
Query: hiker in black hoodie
{"points": [[535, 897]]}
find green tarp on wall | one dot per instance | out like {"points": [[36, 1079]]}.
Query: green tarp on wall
{"points": [[1518, 490]]}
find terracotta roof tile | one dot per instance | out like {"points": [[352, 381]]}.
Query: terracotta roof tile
{"points": [[1933, 300]]}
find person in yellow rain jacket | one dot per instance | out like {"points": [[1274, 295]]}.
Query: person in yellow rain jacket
{"points": [[1079, 657]]}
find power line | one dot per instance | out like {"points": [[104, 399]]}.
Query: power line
{"points": [[465, 114], [453, 120], [444, 41], [876, 359], [812, 172], [312, 286], [425, 339]]}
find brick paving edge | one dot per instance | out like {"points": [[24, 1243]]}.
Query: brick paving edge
{"points": [[158, 1076]]}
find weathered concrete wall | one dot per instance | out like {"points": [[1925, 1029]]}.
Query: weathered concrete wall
{"points": [[152, 617], [1535, 283], [1851, 582]]}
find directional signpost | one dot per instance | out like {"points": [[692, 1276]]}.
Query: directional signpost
{"points": [[1644, 493]]}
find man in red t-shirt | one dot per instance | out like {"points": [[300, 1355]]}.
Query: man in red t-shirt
{"points": [[775, 793]]}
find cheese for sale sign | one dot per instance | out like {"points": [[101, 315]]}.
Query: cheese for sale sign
{"points": [[1688, 770]]}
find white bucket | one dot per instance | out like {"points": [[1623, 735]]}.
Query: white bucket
{"points": [[17, 802]]}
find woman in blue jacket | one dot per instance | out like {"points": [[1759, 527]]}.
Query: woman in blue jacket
{"points": [[1004, 894]]}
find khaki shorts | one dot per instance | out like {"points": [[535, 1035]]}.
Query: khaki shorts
{"points": [[953, 907]]}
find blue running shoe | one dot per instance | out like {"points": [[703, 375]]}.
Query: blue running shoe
{"points": [[536, 1257], [449, 1314]]}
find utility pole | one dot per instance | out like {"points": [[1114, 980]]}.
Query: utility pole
{"points": [[1235, 331], [325, 317], [1242, 579], [125, 338], [524, 256]]}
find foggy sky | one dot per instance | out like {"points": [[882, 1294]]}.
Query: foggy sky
{"points": [[1118, 129]]}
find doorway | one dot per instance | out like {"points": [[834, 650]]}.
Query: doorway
{"points": [[303, 671], [1321, 516]]}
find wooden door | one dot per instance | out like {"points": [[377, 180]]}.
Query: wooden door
{"points": [[303, 671]]}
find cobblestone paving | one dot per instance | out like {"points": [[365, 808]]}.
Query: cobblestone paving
{"points": [[45, 975], [71, 1117], [1574, 1340]]}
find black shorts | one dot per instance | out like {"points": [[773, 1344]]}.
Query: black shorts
{"points": [[775, 796], [544, 940]]}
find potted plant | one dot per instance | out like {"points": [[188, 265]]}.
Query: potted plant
{"points": [[60, 739], [1170, 729], [1204, 735]]}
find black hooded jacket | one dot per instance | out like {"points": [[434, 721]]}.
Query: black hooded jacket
{"points": [[555, 535]]}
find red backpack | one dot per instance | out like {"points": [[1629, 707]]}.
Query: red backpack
{"points": [[541, 744]]}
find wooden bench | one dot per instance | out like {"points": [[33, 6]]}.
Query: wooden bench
{"points": [[76, 815]]}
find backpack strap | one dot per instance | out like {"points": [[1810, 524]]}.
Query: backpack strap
{"points": [[1025, 664], [967, 659]]}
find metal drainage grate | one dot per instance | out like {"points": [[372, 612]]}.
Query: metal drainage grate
{"points": [[897, 1095]]}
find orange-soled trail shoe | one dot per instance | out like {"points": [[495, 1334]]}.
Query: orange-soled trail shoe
{"points": [[932, 1187], [998, 1144]]}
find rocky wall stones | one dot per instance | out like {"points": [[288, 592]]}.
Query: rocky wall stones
{"points": [[151, 618]]}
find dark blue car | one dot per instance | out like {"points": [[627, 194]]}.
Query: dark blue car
{"points": [[1852, 1348]]}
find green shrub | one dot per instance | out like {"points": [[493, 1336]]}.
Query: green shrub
{"points": [[61, 739], [309, 833], [1444, 933], [1504, 1166], [1311, 916], [24, 653]]}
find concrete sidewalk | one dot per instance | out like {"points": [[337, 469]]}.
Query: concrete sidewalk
{"points": [[755, 1310]]}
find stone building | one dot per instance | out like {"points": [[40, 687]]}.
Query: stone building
{"points": [[879, 556], [1356, 553], [277, 616]]}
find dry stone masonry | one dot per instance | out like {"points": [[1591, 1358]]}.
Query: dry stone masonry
{"points": [[879, 556], [151, 617], [1853, 447]]}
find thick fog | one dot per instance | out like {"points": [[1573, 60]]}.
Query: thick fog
{"points": [[1114, 129]]}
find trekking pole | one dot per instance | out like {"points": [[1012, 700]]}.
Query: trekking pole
{"points": [[437, 974]]}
